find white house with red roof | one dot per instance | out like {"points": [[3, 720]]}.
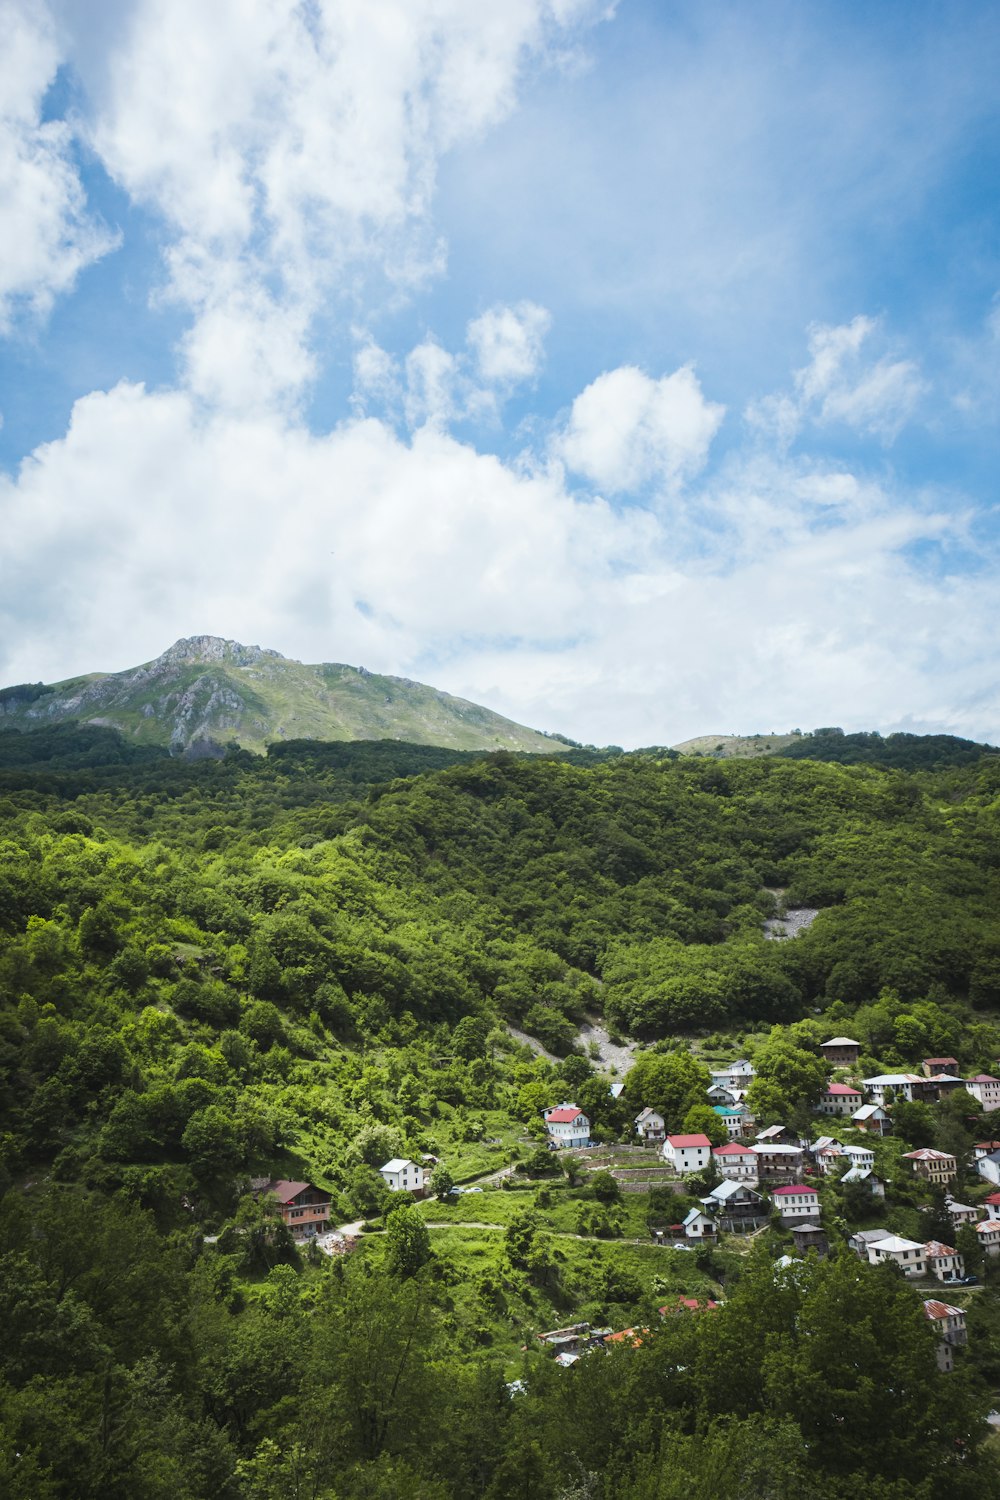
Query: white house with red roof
{"points": [[992, 1206], [840, 1099], [735, 1162], [944, 1261], [567, 1125], [688, 1153], [949, 1325], [986, 1090], [796, 1202]]}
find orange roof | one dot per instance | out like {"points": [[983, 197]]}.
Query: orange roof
{"points": [[685, 1141]]}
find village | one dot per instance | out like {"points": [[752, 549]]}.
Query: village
{"points": [[774, 1178]]}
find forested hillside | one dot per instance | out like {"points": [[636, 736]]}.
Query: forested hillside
{"points": [[304, 964]]}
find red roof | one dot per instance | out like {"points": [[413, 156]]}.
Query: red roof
{"points": [[993, 1198], [564, 1115], [942, 1060], [794, 1187], [935, 1248], [842, 1088], [682, 1142], [691, 1304], [935, 1309], [983, 1078], [927, 1153], [732, 1150], [987, 1146]]}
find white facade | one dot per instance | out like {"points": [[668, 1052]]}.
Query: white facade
{"points": [[861, 1157], [687, 1153], [735, 1163], [840, 1099], [698, 1225], [986, 1090], [910, 1257], [567, 1125], [797, 1204], [650, 1126], [402, 1176], [988, 1233], [900, 1085], [944, 1261], [739, 1075]]}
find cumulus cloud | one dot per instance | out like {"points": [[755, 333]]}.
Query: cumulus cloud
{"points": [[507, 342], [627, 430], [292, 149], [48, 234], [424, 556]]}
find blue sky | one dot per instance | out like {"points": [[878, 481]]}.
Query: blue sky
{"points": [[633, 369]]}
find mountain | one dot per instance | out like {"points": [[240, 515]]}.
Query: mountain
{"points": [[736, 746], [205, 692]]}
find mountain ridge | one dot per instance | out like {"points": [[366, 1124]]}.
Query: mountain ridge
{"points": [[205, 691]]}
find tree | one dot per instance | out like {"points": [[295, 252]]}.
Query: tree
{"points": [[605, 1188], [442, 1181], [702, 1119], [408, 1243], [667, 1082]]}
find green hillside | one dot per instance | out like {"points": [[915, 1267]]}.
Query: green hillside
{"points": [[204, 693], [299, 965]]}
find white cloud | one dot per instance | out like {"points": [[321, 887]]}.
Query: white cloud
{"points": [[626, 430], [878, 399], [154, 519], [48, 236], [292, 149], [508, 342]]}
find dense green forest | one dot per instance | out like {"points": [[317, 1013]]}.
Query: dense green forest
{"points": [[304, 964]]}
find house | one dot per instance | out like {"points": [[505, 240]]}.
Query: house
{"points": [[872, 1117], [403, 1176], [874, 1184], [933, 1166], [862, 1238], [736, 1163], [898, 1086], [567, 1125], [986, 1090], [988, 1165], [737, 1119], [304, 1208], [650, 1126], [829, 1159], [944, 1083], [993, 1206], [739, 1075], [777, 1135], [689, 1304], [616, 1090], [944, 1261], [860, 1156], [984, 1148], [906, 1254], [796, 1203], [811, 1237], [699, 1225], [568, 1340], [932, 1066], [688, 1153], [718, 1094], [962, 1213], [949, 1325], [988, 1234], [840, 1099], [777, 1163], [841, 1051], [736, 1206]]}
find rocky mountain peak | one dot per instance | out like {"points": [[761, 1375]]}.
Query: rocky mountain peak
{"points": [[214, 648]]}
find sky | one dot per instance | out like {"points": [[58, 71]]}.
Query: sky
{"points": [[632, 369]]}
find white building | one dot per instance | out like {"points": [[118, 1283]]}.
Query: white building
{"points": [[986, 1090], [735, 1163], [900, 1085], [933, 1166], [840, 1099], [739, 1075], [910, 1257], [699, 1225], [797, 1203], [650, 1126], [860, 1156], [402, 1176], [988, 1234], [738, 1120], [687, 1153], [567, 1125]]}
